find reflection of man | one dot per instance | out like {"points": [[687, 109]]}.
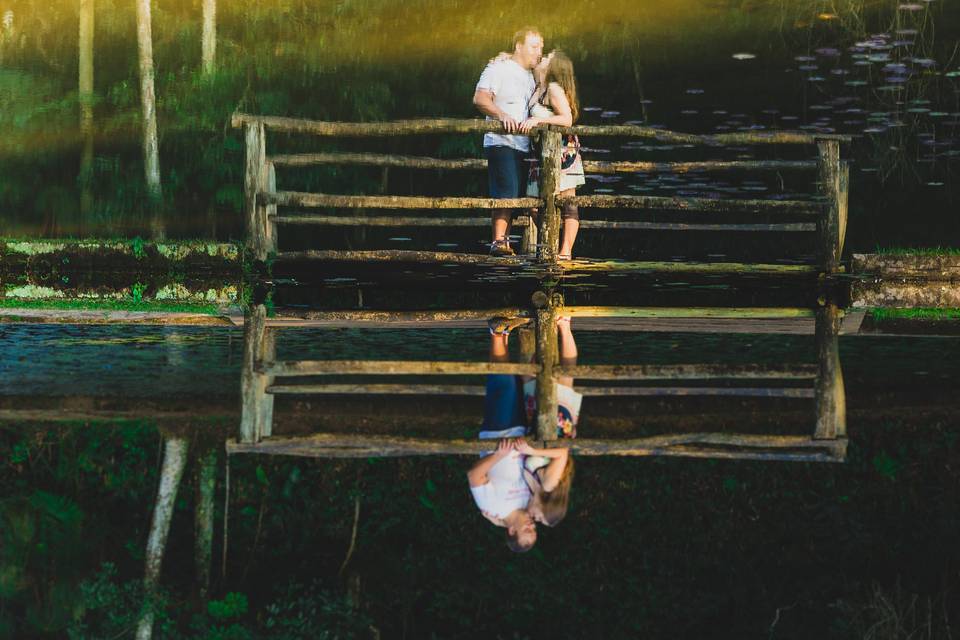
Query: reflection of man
{"points": [[503, 93], [502, 494]]}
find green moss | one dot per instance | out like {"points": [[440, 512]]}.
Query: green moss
{"points": [[915, 314], [919, 251], [111, 305]]}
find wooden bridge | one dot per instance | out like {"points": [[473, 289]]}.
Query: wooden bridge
{"points": [[264, 377], [824, 216]]}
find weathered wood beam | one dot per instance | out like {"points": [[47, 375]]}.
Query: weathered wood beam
{"points": [[686, 312], [700, 445], [477, 390], [393, 221], [589, 166], [704, 205], [389, 255], [300, 199], [379, 160], [728, 268], [549, 216], [626, 166], [255, 180], [688, 371], [396, 367], [828, 182], [453, 125], [256, 415], [680, 226], [548, 355], [369, 315], [831, 399]]}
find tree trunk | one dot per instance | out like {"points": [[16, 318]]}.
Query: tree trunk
{"points": [[203, 519], [174, 460], [151, 151], [209, 36], [85, 89]]}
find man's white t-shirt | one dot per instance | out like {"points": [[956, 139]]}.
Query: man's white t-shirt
{"points": [[511, 86], [506, 490]]}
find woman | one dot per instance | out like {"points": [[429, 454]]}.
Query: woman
{"points": [[555, 102]]}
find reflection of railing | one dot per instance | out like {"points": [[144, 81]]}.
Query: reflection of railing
{"points": [[261, 372], [827, 215]]}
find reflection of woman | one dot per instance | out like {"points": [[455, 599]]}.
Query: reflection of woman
{"points": [[555, 102], [549, 472]]}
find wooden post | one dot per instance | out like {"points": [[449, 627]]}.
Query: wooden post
{"points": [[829, 391], [256, 417], [829, 186], [548, 357], [270, 223], [844, 194], [549, 221], [528, 244], [254, 180]]}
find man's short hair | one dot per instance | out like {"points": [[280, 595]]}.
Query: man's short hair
{"points": [[520, 36]]}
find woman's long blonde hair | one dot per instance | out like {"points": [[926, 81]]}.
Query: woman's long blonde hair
{"points": [[555, 503], [560, 70]]}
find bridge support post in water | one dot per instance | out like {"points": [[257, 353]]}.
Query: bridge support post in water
{"points": [[829, 390], [549, 221], [256, 417], [829, 184], [548, 358]]}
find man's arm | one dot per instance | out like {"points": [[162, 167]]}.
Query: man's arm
{"points": [[483, 101], [477, 475]]}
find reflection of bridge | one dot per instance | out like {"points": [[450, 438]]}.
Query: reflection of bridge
{"points": [[264, 377], [826, 215]]}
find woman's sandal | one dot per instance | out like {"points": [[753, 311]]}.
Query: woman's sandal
{"points": [[500, 326]]}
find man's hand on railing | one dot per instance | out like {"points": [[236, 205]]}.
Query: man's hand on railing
{"points": [[509, 124]]}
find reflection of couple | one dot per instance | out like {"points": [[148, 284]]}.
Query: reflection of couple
{"points": [[523, 90], [517, 485]]}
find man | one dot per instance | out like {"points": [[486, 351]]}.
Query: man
{"points": [[503, 93]]}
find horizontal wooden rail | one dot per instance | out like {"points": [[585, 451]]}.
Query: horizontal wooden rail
{"points": [[477, 390], [299, 199], [369, 315], [477, 164], [475, 125], [681, 226], [400, 255], [696, 445], [449, 257], [391, 221], [395, 367], [705, 205], [689, 372], [686, 312]]}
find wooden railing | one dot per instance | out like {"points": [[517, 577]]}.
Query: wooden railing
{"points": [[826, 215], [261, 373]]}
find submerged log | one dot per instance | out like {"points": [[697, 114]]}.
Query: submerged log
{"points": [[686, 312], [831, 399], [369, 315], [700, 445], [396, 367]]}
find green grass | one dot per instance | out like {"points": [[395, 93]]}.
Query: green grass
{"points": [[111, 305], [880, 314], [919, 251]]}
